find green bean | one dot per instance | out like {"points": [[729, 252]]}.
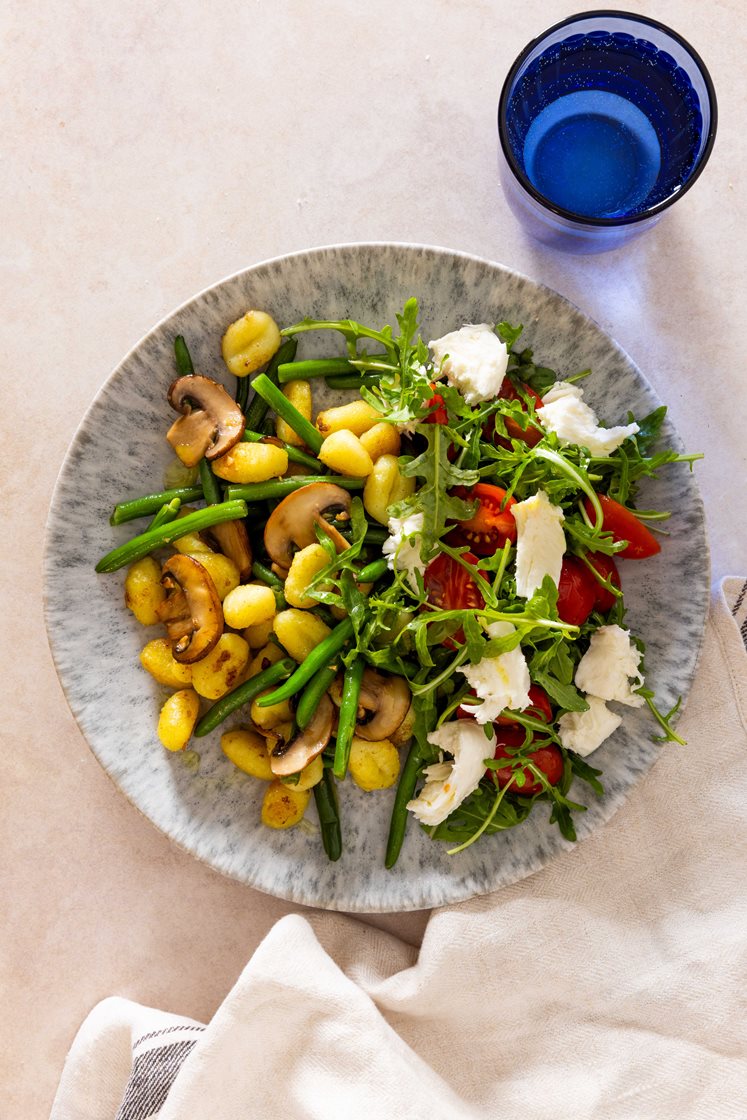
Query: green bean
{"points": [[166, 534], [320, 367], [244, 694], [373, 571], [257, 410], [166, 513], [242, 392], [294, 453], [352, 380], [351, 690], [376, 535], [182, 357], [405, 792], [275, 398], [279, 487], [151, 503], [322, 655], [210, 486], [312, 694], [328, 811]]}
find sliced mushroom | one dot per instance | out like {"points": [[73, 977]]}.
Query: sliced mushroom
{"points": [[233, 542], [292, 524], [191, 610], [211, 421], [289, 758], [384, 702]]}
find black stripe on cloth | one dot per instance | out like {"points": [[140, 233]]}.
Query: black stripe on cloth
{"points": [[167, 1030], [151, 1078], [743, 632], [740, 599]]}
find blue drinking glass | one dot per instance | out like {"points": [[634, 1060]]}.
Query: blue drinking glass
{"points": [[604, 121]]}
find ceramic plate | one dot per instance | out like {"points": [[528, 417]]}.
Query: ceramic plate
{"points": [[206, 805]]}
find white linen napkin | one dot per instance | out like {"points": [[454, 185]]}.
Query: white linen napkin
{"points": [[610, 985]]}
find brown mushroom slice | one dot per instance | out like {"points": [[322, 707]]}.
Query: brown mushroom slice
{"points": [[385, 702], [290, 758], [292, 524], [191, 610], [233, 541], [211, 421]]}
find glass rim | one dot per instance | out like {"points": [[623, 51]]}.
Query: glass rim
{"points": [[571, 215]]}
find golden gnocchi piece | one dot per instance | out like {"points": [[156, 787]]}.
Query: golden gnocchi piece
{"points": [[251, 462], [259, 635], [249, 604], [373, 765], [305, 566], [143, 590], [247, 750], [283, 805], [357, 417], [384, 487], [250, 342], [219, 672], [343, 452], [178, 718], [299, 632], [267, 656], [299, 394], [158, 659], [222, 571], [382, 439], [310, 776], [271, 716]]}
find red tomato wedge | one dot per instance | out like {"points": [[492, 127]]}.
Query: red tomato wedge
{"points": [[437, 413], [509, 392], [577, 591], [450, 587], [607, 568], [546, 757], [491, 526], [625, 526]]}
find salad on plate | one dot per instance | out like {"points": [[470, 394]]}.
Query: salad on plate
{"points": [[417, 588]]}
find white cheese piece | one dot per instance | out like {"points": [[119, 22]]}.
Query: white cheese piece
{"points": [[500, 682], [609, 665], [474, 361], [540, 543], [564, 412], [402, 546], [447, 783], [583, 732]]}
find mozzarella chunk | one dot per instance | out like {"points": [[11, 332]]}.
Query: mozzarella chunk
{"points": [[500, 682], [609, 666], [540, 542], [402, 546], [583, 732], [564, 412], [474, 361], [447, 783]]}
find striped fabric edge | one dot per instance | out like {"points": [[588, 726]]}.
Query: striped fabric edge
{"points": [[735, 593], [157, 1058]]}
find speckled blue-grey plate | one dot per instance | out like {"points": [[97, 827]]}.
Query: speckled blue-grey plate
{"points": [[119, 451]]}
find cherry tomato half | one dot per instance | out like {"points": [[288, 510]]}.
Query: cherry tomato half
{"points": [[577, 591], [510, 392], [607, 569], [450, 587], [437, 413], [625, 526], [491, 526], [546, 757]]}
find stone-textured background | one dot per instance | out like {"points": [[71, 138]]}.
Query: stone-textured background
{"points": [[149, 150]]}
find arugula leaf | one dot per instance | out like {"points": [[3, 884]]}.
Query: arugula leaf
{"points": [[432, 498], [566, 696], [508, 334]]}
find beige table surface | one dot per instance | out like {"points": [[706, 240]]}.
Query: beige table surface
{"points": [[147, 151]]}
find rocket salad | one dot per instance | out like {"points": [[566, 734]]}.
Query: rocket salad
{"points": [[418, 588]]}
